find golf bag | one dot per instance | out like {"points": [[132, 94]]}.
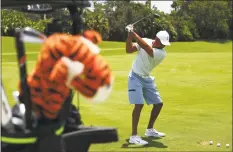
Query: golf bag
{"points": [[46, 135]]}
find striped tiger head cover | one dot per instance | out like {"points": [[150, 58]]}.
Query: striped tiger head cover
{"points": [[69, 62]]}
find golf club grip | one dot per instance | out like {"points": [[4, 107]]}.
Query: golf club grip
{"points": [[23, 77]]}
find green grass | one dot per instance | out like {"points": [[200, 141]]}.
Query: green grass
{"points": [[195, 82]]}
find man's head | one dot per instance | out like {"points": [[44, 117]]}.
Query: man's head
{"points": [[161, 40]]}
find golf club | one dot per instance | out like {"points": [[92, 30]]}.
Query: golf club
{"points": [[26, 35], [32, 36], [155, 15]]}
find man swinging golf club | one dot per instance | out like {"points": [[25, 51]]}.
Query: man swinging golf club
{"points": [[150, 53]]}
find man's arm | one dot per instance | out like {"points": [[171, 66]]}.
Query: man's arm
{"points": [[143, 44], [130, 47]]}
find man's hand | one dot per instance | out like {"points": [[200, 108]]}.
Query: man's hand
{"points": [[130, 47], [129, 28]]}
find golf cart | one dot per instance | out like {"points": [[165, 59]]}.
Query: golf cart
{"points": [[21, 131]]}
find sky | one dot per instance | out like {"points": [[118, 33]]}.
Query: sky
{"points": [[164, 6]]}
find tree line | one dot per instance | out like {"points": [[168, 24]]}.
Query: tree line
{"points": [[189, 20]]}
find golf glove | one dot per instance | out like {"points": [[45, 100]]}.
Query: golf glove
{"points": [[129, 28]]}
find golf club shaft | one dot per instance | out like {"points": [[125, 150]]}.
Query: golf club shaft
{"points": [[26, 35], [78, 100], [140, 19], [144, 18], [21, 56]]}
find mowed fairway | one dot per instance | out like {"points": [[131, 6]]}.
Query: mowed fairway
{"points": [[194, 80]]}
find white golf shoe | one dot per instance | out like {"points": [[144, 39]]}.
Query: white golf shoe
{"points": [[153, 133], [137, 140]]}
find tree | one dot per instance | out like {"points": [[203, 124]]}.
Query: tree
{"points": [[207, 19], [148, 3], [97, 20], [12, 19]]}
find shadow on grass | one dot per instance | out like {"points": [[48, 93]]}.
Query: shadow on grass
{"points": [[151, 143]]}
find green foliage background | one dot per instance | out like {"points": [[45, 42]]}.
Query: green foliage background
{"points": [[189, 21]]}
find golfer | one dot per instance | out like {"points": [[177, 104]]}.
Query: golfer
{"points": [[150, 53]]}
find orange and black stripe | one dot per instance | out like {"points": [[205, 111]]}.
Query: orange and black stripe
{"points": [[47, 81]]}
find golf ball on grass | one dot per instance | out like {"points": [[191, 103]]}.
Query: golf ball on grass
{"points": [[218, 144], [211, 142], [227, 145]]}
